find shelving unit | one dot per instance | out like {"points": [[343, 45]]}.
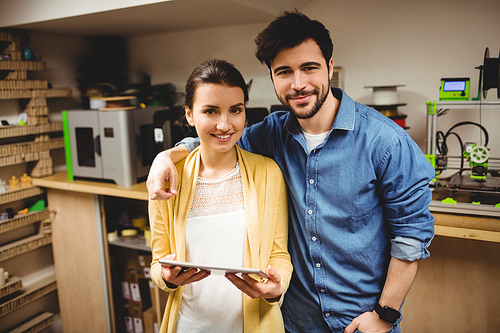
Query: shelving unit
{"points": [[15, 85], [26, 236], [464, 202], [14, 295], [433, 106]]}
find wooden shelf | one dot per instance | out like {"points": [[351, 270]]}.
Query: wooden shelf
{"points": [[137, 243], [13, 75], [23, 84], [8, 37], [15, 131], [30, 147], [60, 181], [36, 324], [22, 193], [11, 65], [29, 294], [23, 220], [13, 284], [467, 227], [28, 152], [35, 93], [27, 244]]}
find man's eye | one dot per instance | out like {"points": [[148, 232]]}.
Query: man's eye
{"points": [[284, 72]]}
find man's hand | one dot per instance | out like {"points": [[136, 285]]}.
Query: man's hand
{"points": [[163, 169], [368, 322], [271, 290]]}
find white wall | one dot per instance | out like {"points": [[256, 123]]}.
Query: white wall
{"points": [[415, 43], [15, 12]]}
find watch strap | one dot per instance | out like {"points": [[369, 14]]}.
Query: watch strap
{"points": [[387, 314]]}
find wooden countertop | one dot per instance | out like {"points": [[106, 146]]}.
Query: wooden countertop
{"points": [[448, 225], [60, 181], [468, 227]]}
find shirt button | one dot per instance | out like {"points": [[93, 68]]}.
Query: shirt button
{"points": [[311, 181], [314, 238], [310, 211], [322, 290], [318, 265], [327, 314]]}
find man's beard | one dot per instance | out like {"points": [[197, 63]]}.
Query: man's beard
{"points": [[307, 113]]}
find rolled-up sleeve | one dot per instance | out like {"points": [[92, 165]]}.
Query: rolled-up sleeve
{"points": [[410, 249], [190, 143]]}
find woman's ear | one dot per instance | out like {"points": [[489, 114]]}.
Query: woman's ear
{"points": [[189, 116]]}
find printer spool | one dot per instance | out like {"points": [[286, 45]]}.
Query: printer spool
{"points": [[385, 95], [491, 73], [385, 100]]}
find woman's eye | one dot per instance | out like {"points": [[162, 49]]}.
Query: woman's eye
{"points": [[236, 110], [209, 111]]}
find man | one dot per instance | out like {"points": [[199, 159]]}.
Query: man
{"points": [[357, 187]]}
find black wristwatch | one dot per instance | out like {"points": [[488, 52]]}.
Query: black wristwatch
{"points": [[387, 314]]}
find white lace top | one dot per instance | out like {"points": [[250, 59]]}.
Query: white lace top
{"points": [[215, 234], [218, 196]]}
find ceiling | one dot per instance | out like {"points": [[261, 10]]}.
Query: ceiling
{"points": [[166, 16]]}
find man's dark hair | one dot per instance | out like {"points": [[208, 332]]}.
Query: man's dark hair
{"points": [[289, 30]]}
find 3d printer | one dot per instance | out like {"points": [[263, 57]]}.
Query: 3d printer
{"points": [[479, 179]]}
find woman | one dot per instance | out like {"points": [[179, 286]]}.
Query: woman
{"points": [[231, 210]]}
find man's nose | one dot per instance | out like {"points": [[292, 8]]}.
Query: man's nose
{"points": [[299, 81]]}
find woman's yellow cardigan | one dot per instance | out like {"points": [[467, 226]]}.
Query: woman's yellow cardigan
{"points": [[266, 216]]}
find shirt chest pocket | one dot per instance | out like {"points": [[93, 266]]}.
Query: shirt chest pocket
{"points": [[355, 222]]}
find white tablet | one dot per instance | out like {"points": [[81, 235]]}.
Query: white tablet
{"points": [[185, 264]]}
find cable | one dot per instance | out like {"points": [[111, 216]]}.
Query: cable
{"points": [[486, 136], [461, 145]]}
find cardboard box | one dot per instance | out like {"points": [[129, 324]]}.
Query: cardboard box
{"points": [[150, 321]]}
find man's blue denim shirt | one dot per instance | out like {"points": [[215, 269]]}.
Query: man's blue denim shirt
{"points": [[355, 200]]}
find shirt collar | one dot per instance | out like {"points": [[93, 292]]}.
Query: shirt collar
{"points": [[343, 121]]}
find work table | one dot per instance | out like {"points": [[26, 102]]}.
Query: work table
{"points": [[464, 256], [60, 181]]}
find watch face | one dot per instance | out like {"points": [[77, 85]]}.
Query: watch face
{"points": [[387, 314]]}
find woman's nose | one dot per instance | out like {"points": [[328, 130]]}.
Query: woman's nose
{"points": [[223, 124]]}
